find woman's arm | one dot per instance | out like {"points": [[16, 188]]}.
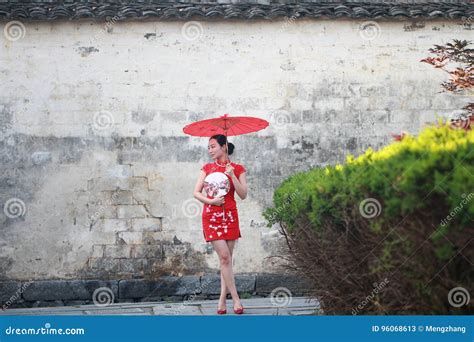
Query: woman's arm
{"points": [[240, 185], [198, 189]]}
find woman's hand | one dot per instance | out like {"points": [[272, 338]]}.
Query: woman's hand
{"points": [[217, 201], [229, 170]]}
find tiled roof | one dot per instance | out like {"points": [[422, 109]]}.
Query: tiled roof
{"points": [[242, 9]]}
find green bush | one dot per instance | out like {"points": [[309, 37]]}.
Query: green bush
{"points": [[404, 213]]}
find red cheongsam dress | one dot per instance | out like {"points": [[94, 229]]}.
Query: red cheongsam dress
{"points": [[214, 225]]}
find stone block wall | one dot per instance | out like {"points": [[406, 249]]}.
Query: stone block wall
{"points": [[47, 293]]}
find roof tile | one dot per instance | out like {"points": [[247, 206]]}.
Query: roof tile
{"points": [[243, 9]]}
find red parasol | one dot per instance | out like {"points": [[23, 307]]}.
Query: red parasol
{"points": [[227, 125]]}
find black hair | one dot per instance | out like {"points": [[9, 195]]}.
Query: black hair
{"points": [[221, 140]]}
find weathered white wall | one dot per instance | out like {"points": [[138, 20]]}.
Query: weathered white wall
{"points": [[85, 110]]}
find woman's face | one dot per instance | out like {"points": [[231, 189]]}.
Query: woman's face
{"points": [[214, 149]]}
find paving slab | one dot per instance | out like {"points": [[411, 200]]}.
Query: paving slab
{"points": [[294, 306]]}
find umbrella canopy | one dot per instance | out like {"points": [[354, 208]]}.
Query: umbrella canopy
{"points": [[226, 125]]}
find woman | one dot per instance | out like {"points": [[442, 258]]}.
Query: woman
{"points": [[220, 218]]}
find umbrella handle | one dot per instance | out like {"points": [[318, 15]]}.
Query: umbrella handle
{"points": [[227, 147], [227, 158]]}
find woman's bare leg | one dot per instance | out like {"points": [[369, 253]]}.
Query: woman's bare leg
{"points": [[225, 259], [231, 244], [224, 289]]}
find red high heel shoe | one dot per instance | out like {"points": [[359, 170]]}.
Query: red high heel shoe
{"points": [[239, 311], [221, 312]]}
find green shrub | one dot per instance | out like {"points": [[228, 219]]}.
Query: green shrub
{"points": [[404, 213]]}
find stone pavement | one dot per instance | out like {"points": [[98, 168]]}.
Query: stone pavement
{"points": [[252, 306]]}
